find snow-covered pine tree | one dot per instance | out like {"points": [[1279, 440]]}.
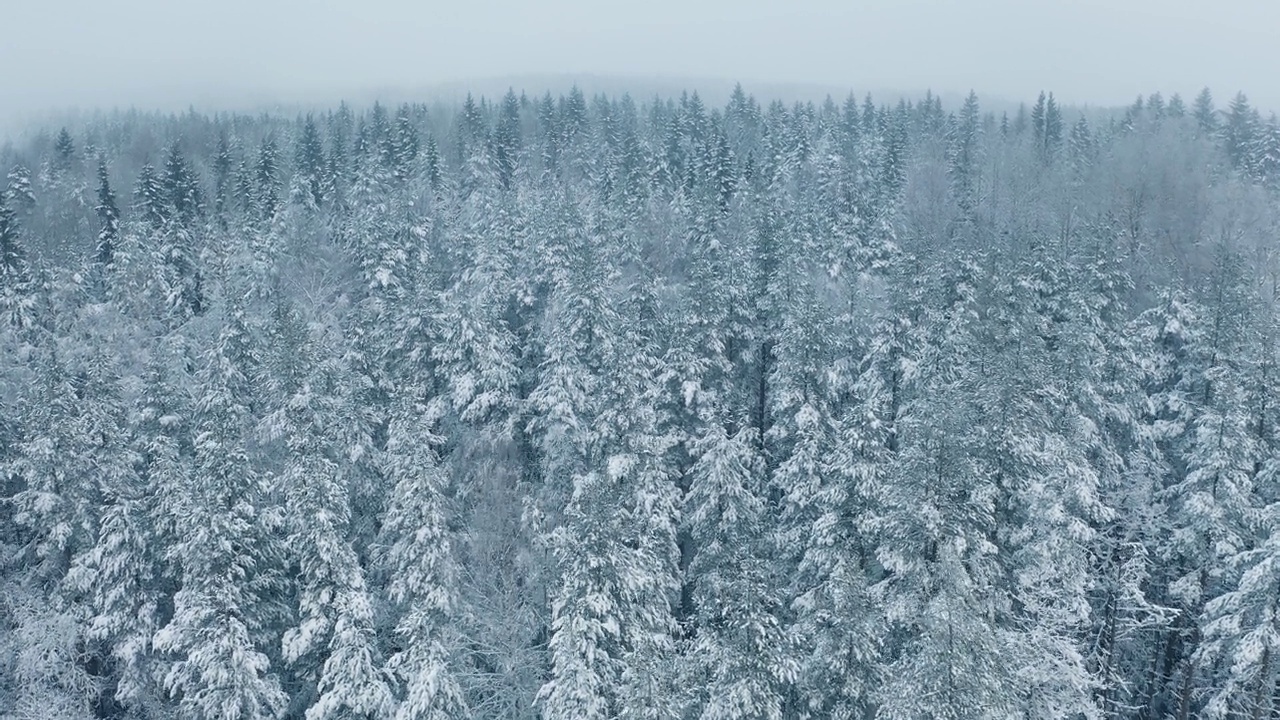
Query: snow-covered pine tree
{"points": [[182, 188], [18, 189], [948, 653], [126, 576], [1241, 632], [422, 567], [266, 182], [309, 161], [227, 556], [60, 499], [333, 643], [1209, 502], [735, 669], [109, 215], [17, 301], [149, 196], [965, 156]]}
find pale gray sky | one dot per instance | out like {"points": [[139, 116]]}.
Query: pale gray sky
{"points": [[59, 53]]}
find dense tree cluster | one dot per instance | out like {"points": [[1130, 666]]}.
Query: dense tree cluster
{"points": [[581, 408]]}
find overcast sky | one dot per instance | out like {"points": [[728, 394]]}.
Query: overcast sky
{"points": [[60, 53]]}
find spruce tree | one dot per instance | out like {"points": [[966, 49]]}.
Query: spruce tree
{"points": [[1205, 115], [11, 257], [734, 658], [152, 202], [1038, 114], [309, 161], [222, 178], [423, 569], [17, 302], [953, 651], [266, 179], [1080, 148], [965, 156], [58, 461], [1264, 155], [402, 145], [1240, 632], [1052, 126], [182, 188], [506, 139], [1239, 132], [64, 153], [109, 215], [124, 574], [227, 553], [18, 189]]}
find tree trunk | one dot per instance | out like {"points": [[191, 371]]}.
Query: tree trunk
{"points": [[1259, 697], [1184, 699]]}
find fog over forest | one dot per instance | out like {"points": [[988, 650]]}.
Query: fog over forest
{"points": [[493, 361], [245, 54]]}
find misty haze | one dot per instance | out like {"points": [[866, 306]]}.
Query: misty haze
{"points": [[672, 361]]}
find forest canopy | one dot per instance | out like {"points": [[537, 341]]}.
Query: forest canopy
{"points": [[599, 407]]}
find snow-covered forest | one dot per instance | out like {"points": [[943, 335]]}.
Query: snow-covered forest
{"points": [[598, 407]]}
